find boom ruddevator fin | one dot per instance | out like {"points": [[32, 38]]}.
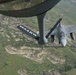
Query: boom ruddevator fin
{"points": [[28, 32]]}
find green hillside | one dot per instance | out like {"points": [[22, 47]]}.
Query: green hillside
{"points": [[21, 55]]}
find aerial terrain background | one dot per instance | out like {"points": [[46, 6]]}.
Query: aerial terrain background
{"points": [[21, 55]]}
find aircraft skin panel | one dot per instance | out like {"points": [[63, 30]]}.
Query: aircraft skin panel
{"points": [[55, 31], [70, 29]]}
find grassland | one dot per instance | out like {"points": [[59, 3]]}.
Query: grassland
{"points": [[26, 57]]}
